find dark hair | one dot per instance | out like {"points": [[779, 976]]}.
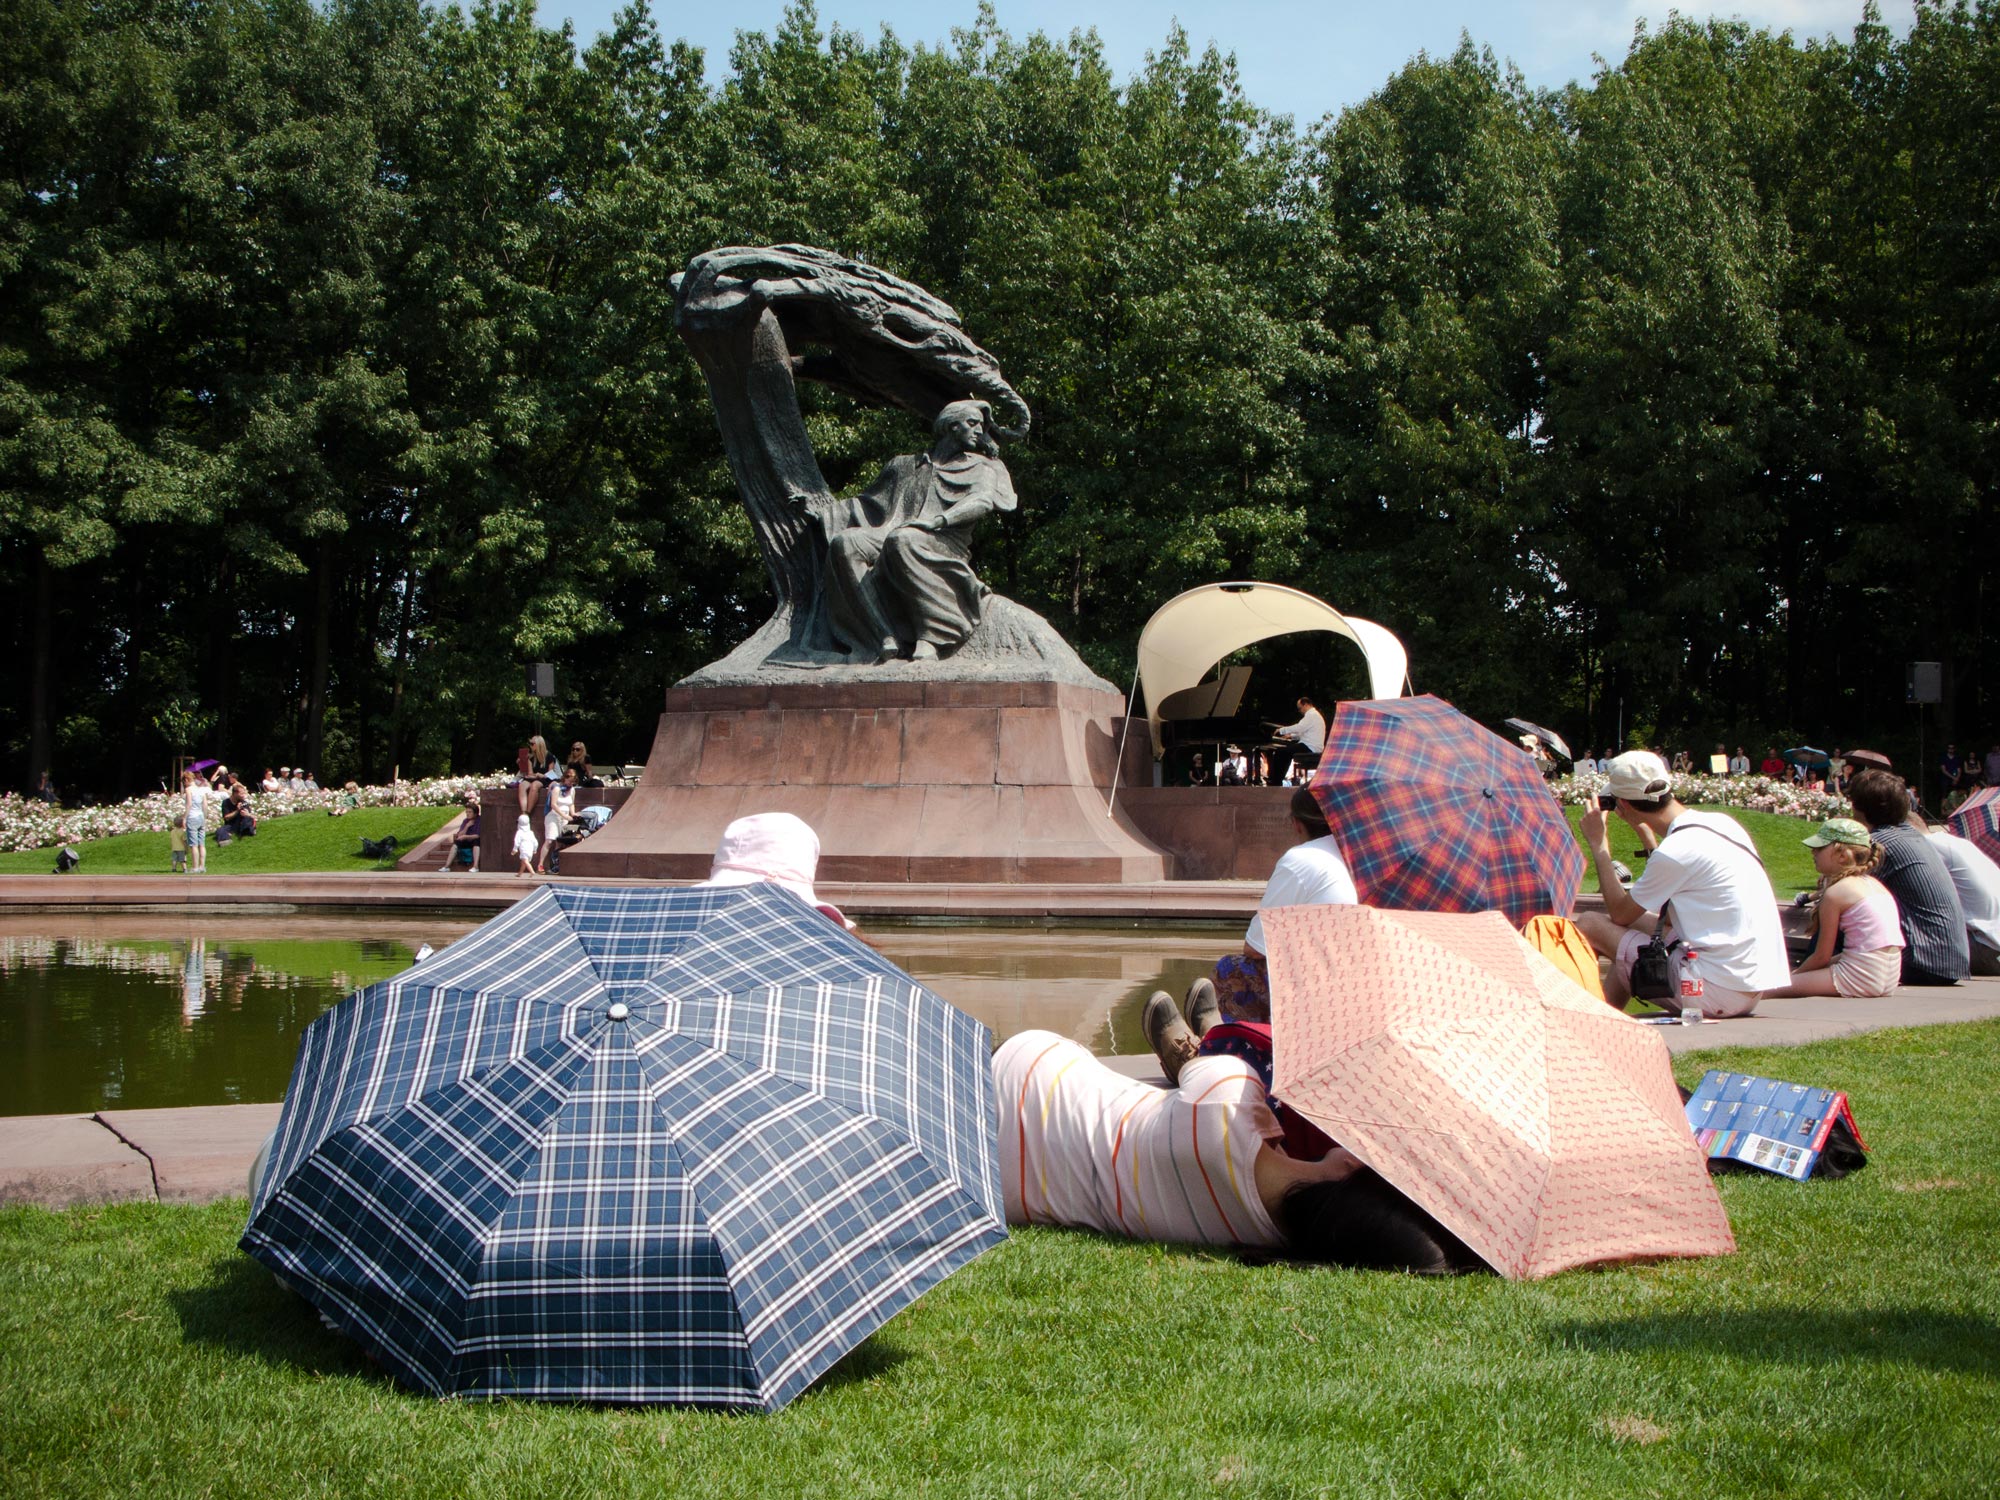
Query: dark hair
{"points": [[1649, 804], [1879, 798], [1306, 809], [1361, 1221]]}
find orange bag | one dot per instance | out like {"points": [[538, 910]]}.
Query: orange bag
{"points": [[1563, 944]]}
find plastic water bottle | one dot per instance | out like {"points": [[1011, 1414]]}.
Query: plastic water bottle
{"points": [[1690, 990]]}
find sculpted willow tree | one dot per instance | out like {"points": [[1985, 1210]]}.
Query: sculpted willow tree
{"points": [[886, 575]]}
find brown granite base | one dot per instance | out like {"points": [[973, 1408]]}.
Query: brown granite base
{"points": [[1214, 833], [972, 782]]}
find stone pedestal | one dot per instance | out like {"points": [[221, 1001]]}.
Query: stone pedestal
{"points": [[974, 782]]}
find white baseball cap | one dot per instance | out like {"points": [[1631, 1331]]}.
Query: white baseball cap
{"points": [[1638, 776]]}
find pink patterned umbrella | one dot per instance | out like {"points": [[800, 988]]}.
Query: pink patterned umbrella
{"points": [[1978, 818], [1539, 1125]]}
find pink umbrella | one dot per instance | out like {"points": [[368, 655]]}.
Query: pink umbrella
{"points": [[1978, 818], [1532, 1120]]}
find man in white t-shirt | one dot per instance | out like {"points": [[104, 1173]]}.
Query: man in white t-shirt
{"points": [[1978, 881], [1708, 868]]}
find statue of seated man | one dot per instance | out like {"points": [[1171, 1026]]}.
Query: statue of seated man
{"points": [[899, 553]]}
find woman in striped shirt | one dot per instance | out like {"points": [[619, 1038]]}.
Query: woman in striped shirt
{"points": [[1084, 1146]]}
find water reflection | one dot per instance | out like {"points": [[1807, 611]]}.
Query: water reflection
{"points": [[146, 1012], [137, 1012], [1087, 984]]}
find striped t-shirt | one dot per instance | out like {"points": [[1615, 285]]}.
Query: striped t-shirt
{"points": [[1934, 949], [1085, 1146]]}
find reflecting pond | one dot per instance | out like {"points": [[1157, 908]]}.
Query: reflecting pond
{"points": [[141, 1011]]}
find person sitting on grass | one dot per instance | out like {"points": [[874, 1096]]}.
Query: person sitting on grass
{"points": [[237, 814], [1086, 1147], [346, 802], [1935, 951], [1857, 910]]}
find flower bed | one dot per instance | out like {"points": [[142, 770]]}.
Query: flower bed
{"points": [[1766, 794], [28, 824]]}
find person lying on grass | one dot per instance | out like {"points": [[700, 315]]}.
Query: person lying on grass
{"points": [[1856, 908], [1084, 1146]]}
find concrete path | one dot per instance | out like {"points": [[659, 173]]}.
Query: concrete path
{"points": [[202, 1154], [132, 1155], [1777, 1023]]}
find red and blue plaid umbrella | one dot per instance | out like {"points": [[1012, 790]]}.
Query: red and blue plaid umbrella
{"points": [[632, 1145], [1978, 818], [1434, 812]]}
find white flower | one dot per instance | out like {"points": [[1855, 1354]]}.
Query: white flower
{"points": [[1752, 793], [26, 823]]}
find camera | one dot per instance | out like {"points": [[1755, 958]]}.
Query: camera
{"points": [[1607, 802]]}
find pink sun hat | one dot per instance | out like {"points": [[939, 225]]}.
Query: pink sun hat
{"points": [[775, 848]]}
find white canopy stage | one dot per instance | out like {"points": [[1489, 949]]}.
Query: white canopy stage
{"points": [[1191, 632]]}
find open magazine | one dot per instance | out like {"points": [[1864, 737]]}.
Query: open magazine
{"points": [[1778, 1127]]}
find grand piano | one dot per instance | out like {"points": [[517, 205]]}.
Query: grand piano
{"points": [[1205, 715]]}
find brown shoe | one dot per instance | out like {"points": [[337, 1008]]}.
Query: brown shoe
{"points": [[1168, 1035], [1203, 1008]]}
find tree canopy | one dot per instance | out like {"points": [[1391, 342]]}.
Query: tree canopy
{"points": [[338, 377]]}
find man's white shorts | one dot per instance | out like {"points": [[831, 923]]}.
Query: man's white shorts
{"points": [[1716, 999]]}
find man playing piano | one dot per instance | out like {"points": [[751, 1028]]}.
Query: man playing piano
{"points": [[1309, 737]]}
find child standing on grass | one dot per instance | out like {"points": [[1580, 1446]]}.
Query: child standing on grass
{"points": [[524, 844], [177, 843], [1858, 909]]}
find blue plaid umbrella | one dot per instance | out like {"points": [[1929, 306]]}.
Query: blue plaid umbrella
{"points": [[632, 1145]]}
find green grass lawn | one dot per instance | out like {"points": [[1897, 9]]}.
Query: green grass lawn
{"points": [[296, 843], [1777, 838], [1851, 1346]]}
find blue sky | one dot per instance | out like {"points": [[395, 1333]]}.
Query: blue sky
{"points": [[1303, 58]]}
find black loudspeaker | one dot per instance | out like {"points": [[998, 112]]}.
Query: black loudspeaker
{"points": [[1925, 682], [542, 680]]}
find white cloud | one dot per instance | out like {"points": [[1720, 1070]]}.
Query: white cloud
{"points": [[1562, 35]]}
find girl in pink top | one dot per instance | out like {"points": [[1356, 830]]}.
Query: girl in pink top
{"points": [[1856, 907]]}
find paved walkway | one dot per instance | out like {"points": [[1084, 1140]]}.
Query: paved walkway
{"points": [[203, 1154], [1783, 1023]]}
